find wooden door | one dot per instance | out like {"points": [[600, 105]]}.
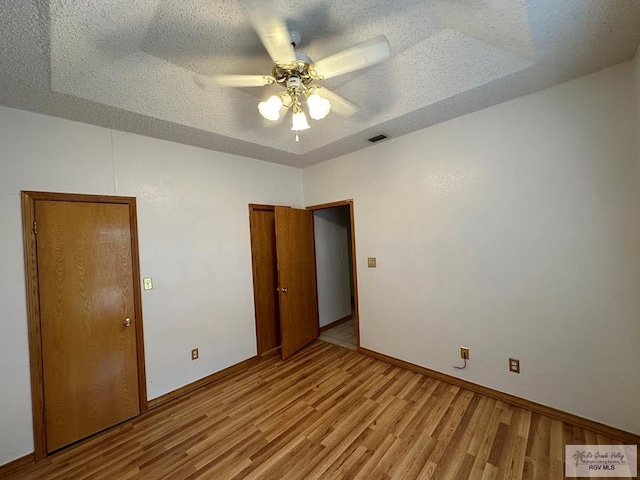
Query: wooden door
{"points": [[86, 293], [265, 277], [296, 278]]}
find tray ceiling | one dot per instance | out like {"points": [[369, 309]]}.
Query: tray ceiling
{"points": [[129, 65]]}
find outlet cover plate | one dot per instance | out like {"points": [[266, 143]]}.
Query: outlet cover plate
{"points": [[514, 365], [371, 262], [148, 283], [194, 354]]}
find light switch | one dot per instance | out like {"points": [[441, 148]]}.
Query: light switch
{"points": [[371, 262], [148, 283]]}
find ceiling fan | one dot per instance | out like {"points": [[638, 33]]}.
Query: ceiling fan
{"points": [[296, 74]]}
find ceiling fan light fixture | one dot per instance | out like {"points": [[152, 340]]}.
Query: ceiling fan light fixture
{"points": [[271, 108], [318, 107], [295, 73], [299, 121]]}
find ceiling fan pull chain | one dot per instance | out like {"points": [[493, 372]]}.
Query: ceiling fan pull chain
{"points": [[297, 139]]}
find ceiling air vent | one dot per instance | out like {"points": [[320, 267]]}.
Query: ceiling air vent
{"points": [[377, 138]]}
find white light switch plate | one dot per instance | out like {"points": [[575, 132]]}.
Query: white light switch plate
{"points": [[148, 283]]}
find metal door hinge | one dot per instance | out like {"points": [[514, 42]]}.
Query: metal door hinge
{"points": [[35, 228], [44, 416]]}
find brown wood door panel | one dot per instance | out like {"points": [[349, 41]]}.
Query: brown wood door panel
{"points": [[265, 280], [86, 285], [296, 278]]}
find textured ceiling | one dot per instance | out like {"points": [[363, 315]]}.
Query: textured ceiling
{"points": [[129, 64]]}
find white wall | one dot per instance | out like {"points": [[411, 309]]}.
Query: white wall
{"points": [[194, 242], [514, 231], [331, 227]]}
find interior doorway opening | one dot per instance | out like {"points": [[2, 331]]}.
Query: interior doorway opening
{"points": [[335, 276], [280, 321], [284, 279]]}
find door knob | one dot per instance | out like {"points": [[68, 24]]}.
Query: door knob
{"points": [[126, 322], [284, 289]]}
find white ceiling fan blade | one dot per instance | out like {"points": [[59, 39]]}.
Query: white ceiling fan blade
{"points": [[225, 81], [363, 55], [339, 105], [273, 32]]}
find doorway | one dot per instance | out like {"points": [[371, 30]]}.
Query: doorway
{"points": [[337, 275], [334, 267], [272, 278], [285, 294], [84, 315]]}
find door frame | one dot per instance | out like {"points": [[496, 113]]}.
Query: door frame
{"points": [[348, 203], [33, 303]]}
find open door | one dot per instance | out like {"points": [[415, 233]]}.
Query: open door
{"points": [[296, 278]]}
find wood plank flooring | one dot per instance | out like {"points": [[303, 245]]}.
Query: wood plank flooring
{"points": [[326, 413]]}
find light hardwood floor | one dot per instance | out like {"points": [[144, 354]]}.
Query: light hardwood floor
{"points": [[326, 413]]}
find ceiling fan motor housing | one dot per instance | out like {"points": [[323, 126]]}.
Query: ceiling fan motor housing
{"points": [[294, 82], [300, 70]]}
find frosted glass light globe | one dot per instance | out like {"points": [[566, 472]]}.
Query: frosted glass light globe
{"points": [[299, 121], [318, 107], [271, 108]]}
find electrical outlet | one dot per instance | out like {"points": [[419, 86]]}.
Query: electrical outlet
{"points": [[371, 262], [514, 365], [194, 354], [464, 353], [148, 283]]}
